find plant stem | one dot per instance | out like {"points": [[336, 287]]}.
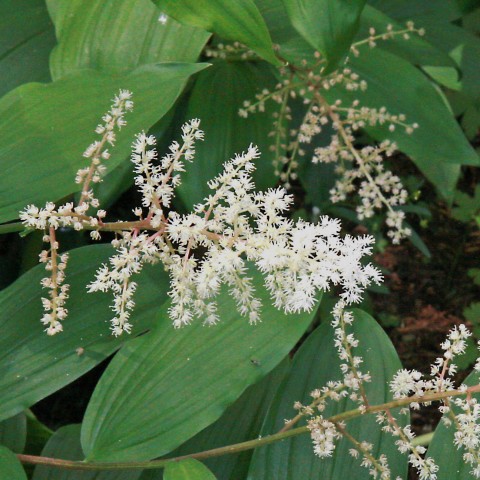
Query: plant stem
{"points": [[239, 447], [423, 440], [216, 452]]}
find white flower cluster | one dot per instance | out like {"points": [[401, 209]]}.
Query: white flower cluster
{"points": [[156, 182], [97, 152], [360, 170], [54, 306], [233, 228], [353, 378], [50, 219], [407, 385], [236, 225], [411, 382], [324, 434], [363, 169], [377, 468]]}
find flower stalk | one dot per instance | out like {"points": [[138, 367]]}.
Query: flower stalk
{"points": [[242, 446]]}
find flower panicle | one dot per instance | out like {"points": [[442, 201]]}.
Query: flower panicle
{"points": [[69, 215], [360, 170], [459, 408]]}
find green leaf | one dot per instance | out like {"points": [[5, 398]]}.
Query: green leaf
{"points": [[438, 147], [44, 129], [26, 38], [10, 467], [446, 455], [227, 85], [316, 363], [467, 207], [293, 47], [34, 365], [163, 388], [464, 49], [65, 444], [404, 10], [474, 274], [238, 21], [417, 242], [328, 25], [472, 314], [241, 421], [118, 36], [37, 435], [13, 432], [188, 470]]}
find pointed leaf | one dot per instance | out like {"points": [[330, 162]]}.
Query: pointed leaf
{"points": [[10, 467], [316, 363], [328, 25], [118, 36], [227, 85], [187, 470], [165, 387], [65, 444], [44, 129], [26, 39], [34, 365], [238, 21]]}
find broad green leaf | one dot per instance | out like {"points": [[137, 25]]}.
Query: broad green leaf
{"points": [[438, 147], [163, 388], [118, 36], [445, 453], [65, 444], [328, 25], [316, 363], [10, 467], [404, 10], [34, 365], [237, 21], [45, 128], [216, 97], [241, 421], [26, 39], [13, 432], [187, 470]]}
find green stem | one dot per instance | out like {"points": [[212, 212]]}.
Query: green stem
{"points": [[423, 440], [239, 447], [216, 452]]}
